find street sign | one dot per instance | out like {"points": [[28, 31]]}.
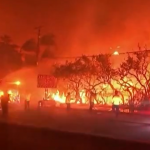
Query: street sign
{"points": [[46, 81]]}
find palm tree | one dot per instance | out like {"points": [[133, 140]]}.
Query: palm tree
{"points": [[48, 40], [29, 48], [28, 51]]}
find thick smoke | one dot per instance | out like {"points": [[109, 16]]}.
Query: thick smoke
{"points": [[112, 23], [80, 26]]}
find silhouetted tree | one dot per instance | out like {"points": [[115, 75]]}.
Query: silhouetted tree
{"points": [[70, 73], [10, 58], [96, 73], [28, 51], [136, 70], [88, 75], [47, 42], [105, 74], [29, 46], [105, 71]]}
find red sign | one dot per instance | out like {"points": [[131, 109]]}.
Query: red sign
{"points": [[46, 81]]}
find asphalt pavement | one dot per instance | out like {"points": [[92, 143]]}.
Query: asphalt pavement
{"points": [[129, 127]]}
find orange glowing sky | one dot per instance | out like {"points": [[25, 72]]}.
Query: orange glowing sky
{"points": [[80, 26]]}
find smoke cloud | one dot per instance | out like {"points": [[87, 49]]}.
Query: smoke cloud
{"points": [[80, 26]]}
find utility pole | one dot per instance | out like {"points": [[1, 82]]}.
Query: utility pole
{"points": [[38, 42]]}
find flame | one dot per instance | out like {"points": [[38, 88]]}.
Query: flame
{"points": [[1, 93], [56, 96], [102, 97], [9, 92], [62, 99]]}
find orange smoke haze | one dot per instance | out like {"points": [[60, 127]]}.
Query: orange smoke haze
{"points": [[80, 26]]}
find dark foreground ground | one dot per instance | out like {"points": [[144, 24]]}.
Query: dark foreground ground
{"points": [[15, 137], [58, 129]]}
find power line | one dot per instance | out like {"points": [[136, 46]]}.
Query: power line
{"points": [[132, 52], [113, 54]]}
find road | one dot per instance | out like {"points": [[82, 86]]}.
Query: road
{"points": [[128, 127]]}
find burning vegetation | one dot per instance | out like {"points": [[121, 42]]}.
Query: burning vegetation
{"points": [[97, 75]]}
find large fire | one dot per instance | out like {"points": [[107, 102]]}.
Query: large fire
{"points": [[56, 96], [61, 99], [101, 97]]}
